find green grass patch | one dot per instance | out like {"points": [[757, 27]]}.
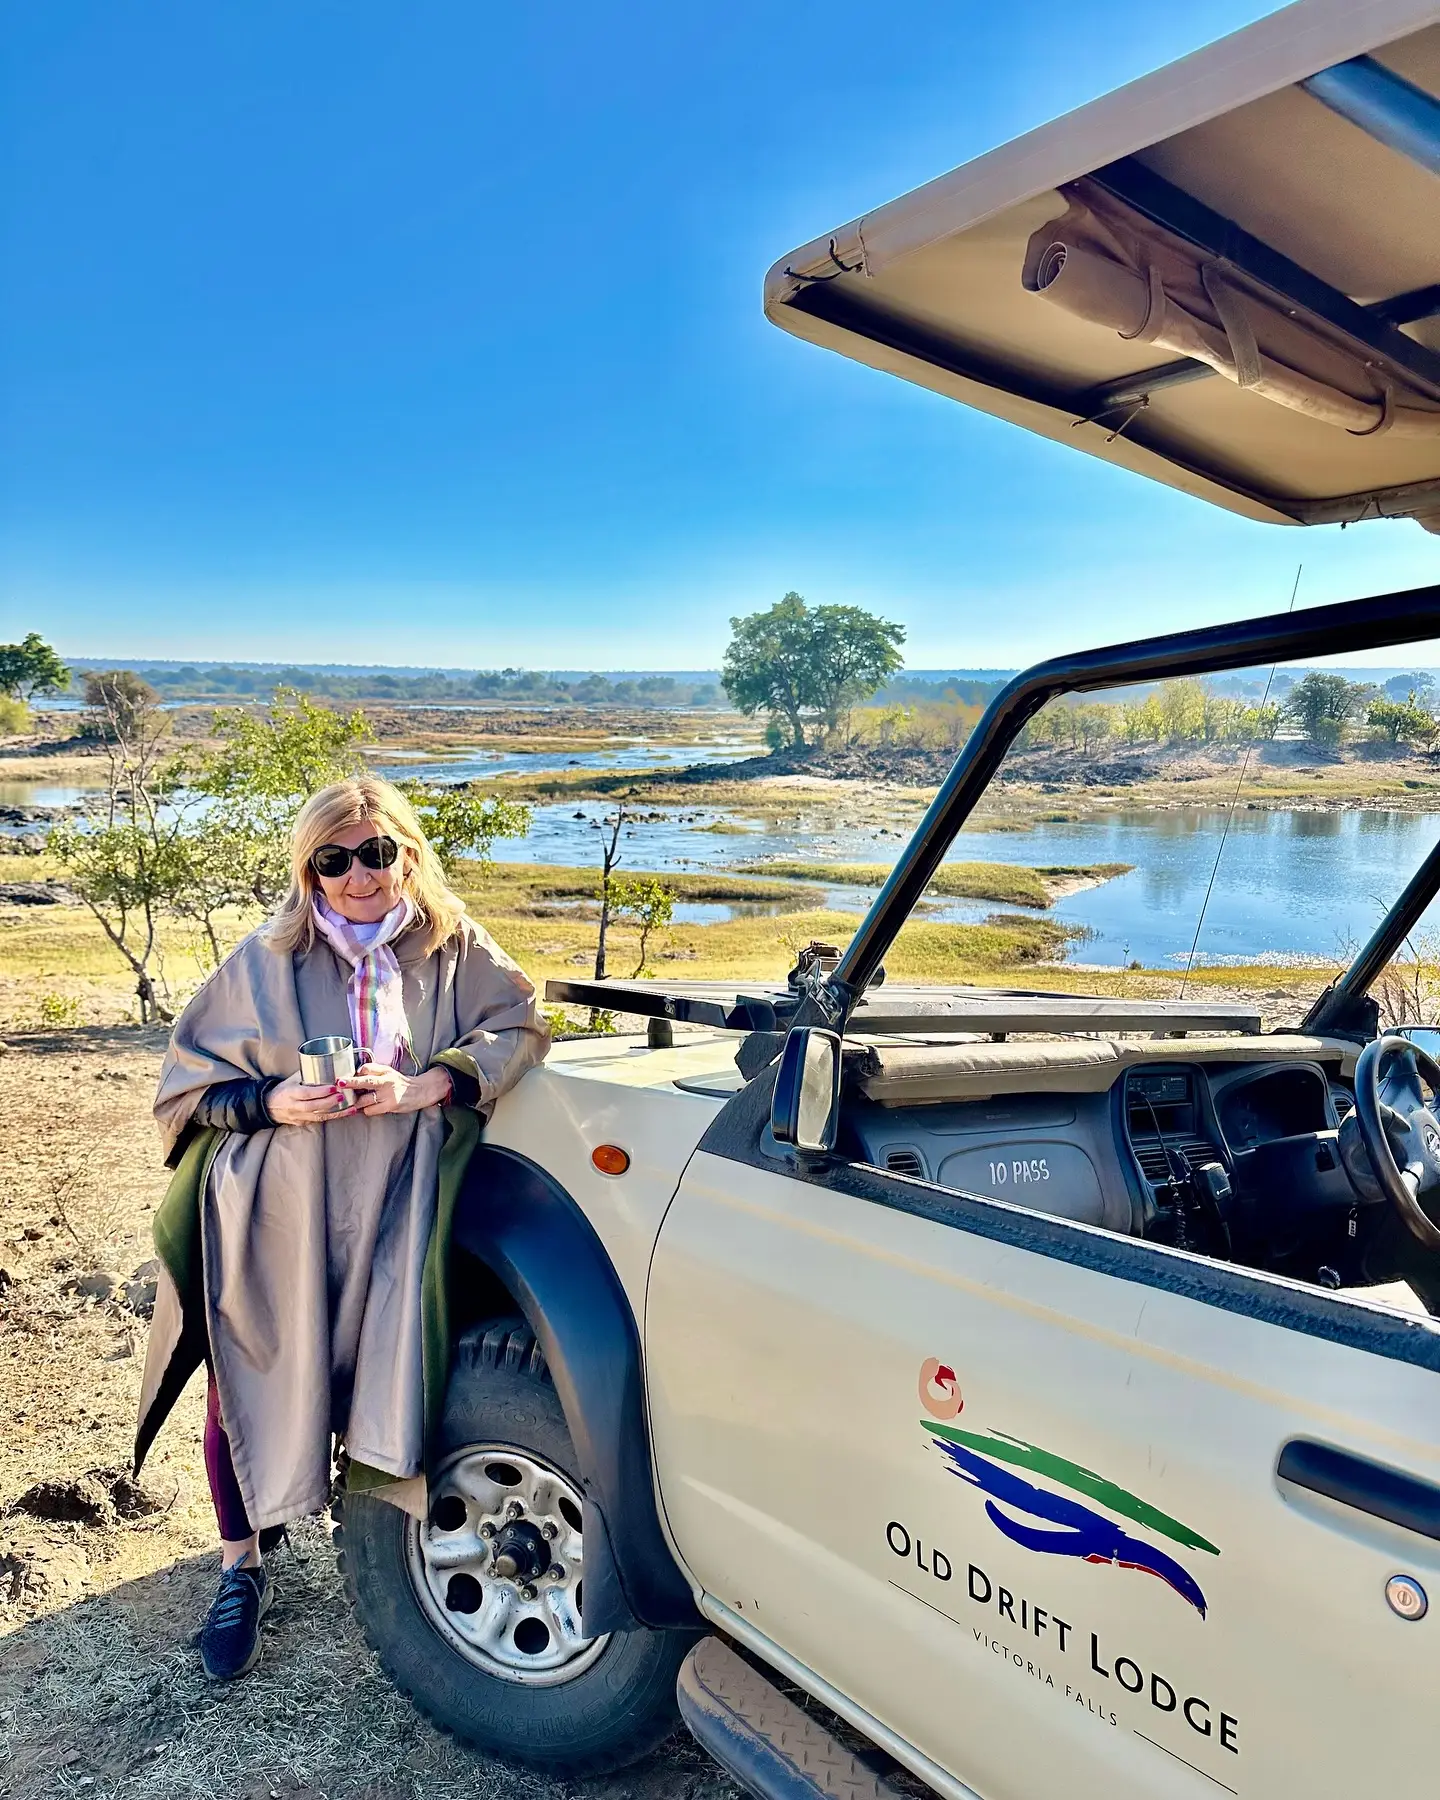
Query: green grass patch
{"points": [[1012, 884], [509, 885]]}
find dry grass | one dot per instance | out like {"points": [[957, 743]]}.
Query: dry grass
{"points": [[544, 918], [101, 1690]]}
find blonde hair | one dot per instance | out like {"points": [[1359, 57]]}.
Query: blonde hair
{"points": [[364, 798]]}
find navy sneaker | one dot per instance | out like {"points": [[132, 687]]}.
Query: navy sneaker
{"points": [[230, 1640]]}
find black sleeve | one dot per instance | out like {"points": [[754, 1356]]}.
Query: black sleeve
{"points": [[236, 1105], [464, 1088]]}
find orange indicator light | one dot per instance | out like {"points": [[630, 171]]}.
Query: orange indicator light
{"points": [[610, 1159]]}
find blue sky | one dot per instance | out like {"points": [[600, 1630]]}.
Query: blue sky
{"points": [[433, 334]]}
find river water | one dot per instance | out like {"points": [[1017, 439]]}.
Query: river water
{"points": [[1305, 884], [1299, 883]]}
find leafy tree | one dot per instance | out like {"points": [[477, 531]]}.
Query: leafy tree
{"points": [[31, 667], [648, 901], [202, 837], [1402, 721], [127, 861], [121, 702], [1093, 724], [461, 823], [287, 753], [1264, 721], [1416, 686], [1322, 705], [267, 766], [1141, 721], [1182, 711], [794, 661]]}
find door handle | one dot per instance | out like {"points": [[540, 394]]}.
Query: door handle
{"points": [[1368, 1486]]}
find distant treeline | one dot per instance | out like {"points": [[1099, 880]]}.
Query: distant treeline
{"points": [[519, 686], [946, 690]]}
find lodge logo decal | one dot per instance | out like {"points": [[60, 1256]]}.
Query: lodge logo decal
{"points": [[1055, 1524], [939, 1391]]}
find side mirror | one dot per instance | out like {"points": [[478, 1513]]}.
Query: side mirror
{"points": [[805, 1110]]}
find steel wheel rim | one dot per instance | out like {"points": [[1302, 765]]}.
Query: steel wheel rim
{"points": [[523, 1627]]}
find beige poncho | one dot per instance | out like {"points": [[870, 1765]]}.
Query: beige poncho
{"points": [[314, 1236]]}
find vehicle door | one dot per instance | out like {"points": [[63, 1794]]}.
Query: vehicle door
{"points": [[1045, 1500]]}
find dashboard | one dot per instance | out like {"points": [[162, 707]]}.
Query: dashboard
{"points": [[1238, 1160]]}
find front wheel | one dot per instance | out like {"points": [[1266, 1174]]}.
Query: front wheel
{"points": [[476, 1612]]}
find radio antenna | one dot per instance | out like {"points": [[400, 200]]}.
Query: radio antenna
{"points": [[1234, 801]]}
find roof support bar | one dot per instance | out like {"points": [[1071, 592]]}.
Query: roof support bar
{"points": [[1135, 390], [1408, 309], [1176, 211], [1384, 105], [1409, 617]]}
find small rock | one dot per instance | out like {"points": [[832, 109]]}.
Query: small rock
{"points": [[3, 1047], [12, 1577], [7, 1280], [32, 1234], [98, 1284], [139, 1295], [55, 1572], [30, 893]]}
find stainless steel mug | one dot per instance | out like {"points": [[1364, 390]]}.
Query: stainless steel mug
{"points": [[326, 1060]]}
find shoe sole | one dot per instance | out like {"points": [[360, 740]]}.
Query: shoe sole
{"points": [[266, 1601]]}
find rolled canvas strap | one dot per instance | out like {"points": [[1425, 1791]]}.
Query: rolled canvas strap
{"points": [[1229, 306]]}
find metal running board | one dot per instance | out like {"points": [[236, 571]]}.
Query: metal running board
{"points": [[774, 1749]]}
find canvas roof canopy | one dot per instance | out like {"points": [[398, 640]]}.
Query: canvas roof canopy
{"points": [[1225, 275]]}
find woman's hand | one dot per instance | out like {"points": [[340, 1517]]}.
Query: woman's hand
{"points": [[382, 1090], [295, 1103]]}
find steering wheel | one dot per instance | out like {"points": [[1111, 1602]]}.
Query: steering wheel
{"points": [[1402, 1141]]}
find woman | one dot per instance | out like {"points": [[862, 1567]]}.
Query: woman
{"points": [[295, 1233]]}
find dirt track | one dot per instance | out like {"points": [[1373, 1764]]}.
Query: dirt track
{"points": [[103, 1585]]}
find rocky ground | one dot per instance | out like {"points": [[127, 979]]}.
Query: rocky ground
{"points": [[1113, 765], [104, 1580]]}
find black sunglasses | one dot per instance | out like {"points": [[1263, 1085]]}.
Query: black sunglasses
{"points": [[333, 860]]}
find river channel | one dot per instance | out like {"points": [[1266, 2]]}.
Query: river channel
{"points": [[1298, 884]]}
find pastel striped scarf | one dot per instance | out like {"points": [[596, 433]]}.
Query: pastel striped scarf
{"points": [[376, 991]]}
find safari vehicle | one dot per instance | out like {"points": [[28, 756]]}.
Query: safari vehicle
{"points": [[1004, 1387]]}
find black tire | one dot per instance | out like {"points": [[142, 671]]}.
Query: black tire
{"points": [[617, 1708]]}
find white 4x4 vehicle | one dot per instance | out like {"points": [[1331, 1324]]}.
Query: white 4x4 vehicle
{"points": [[995, 1383]]}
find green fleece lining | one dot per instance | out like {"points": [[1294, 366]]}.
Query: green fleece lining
{"points": [[176, 1227], [176, 1232]]}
